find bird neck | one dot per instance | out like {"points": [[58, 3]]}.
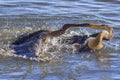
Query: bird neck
{"points": [[96, 43], [65, 27]]}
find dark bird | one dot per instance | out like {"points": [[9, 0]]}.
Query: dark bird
{"points": [[25, 44]]}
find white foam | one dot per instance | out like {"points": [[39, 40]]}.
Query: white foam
{"points": [[48, 51]]}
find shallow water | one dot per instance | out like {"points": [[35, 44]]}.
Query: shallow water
{"points": [[20, 16]]}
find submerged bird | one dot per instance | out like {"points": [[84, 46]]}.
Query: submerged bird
{"points": [[46, 35], [91, 42], [24, 45]]}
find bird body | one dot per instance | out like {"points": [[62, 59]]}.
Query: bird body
{"points": [[24, 45]]}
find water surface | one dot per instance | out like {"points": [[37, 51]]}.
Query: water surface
{"points": [[20, 16]]}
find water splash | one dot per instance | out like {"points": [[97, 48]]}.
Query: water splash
{"points": [[44, 52], [52, 50], [48, 52]]}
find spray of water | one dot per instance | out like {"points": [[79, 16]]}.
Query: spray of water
{"points": [[51, 51]]}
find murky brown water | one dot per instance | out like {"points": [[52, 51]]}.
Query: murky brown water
{"points": [[19, 16]]}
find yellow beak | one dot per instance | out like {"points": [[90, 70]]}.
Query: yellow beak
{"points": [[106, 27]]}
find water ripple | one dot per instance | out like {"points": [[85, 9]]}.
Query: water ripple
{"points": [[19, 16]]}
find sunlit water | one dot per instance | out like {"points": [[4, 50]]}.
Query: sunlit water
{"points": [[19, 16]]}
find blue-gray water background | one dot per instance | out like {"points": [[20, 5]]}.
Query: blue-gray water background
{"points": [[20, 16]]}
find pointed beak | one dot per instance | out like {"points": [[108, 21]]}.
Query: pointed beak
{"points": [[97, 26]]}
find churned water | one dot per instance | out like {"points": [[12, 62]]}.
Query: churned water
{"points": [[19, 16]]}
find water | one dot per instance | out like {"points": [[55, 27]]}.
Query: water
{"points": [[20, 16]]}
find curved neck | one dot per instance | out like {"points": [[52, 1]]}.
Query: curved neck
{"points": [[63, 29], [97, 43], [109, 33], [66, 26]]}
